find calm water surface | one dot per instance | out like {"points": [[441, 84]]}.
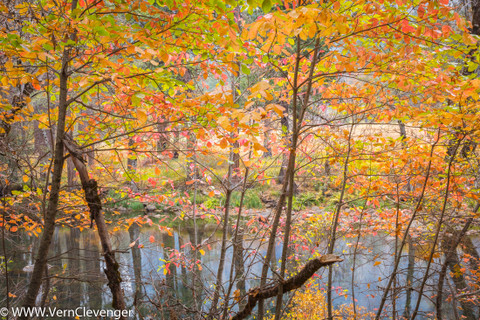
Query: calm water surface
{"points": [[77, 278]]}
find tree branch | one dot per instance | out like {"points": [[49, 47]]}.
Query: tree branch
{"points": [[295, 282]]}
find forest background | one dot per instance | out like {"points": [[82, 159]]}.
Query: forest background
{"points": [[283, 136]]}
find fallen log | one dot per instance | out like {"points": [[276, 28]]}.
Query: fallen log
{"points": [[295, 282]]}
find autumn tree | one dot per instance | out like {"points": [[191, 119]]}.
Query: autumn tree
{"points": [[347, 65], [104, 58]]}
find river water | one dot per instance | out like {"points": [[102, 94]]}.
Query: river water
{"points": [[77, 278]]}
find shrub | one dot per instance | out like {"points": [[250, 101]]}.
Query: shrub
{"points": [[311, 304]]}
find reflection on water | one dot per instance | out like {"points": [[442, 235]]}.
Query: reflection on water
{"points": [[153, 277]]}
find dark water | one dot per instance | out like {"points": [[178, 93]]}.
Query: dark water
{"points": [[77, 278]]}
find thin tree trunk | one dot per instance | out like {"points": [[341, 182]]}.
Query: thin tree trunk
{"points": [[405, 235], [169, 244], [132, 157], [5, 257], [221, 265], [223, 252], [291, 183], [237, 259], [162, 141], [51, 213], [437, 232], [333, 230], [134, 232], [281, 201], [410, 272], [266, 140], [285, 131], [70, 175]]}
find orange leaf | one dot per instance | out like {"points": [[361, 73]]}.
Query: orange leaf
{"points": [[258, 146], [141, 116]]}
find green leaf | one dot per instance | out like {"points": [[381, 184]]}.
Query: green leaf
{"points": [[266, 6], [222, 6], [472, 66], [245, 69], [101, 31], [47, 46]]}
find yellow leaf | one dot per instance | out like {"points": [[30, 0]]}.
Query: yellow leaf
{"points": [[201, 252], [25, 178]]}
